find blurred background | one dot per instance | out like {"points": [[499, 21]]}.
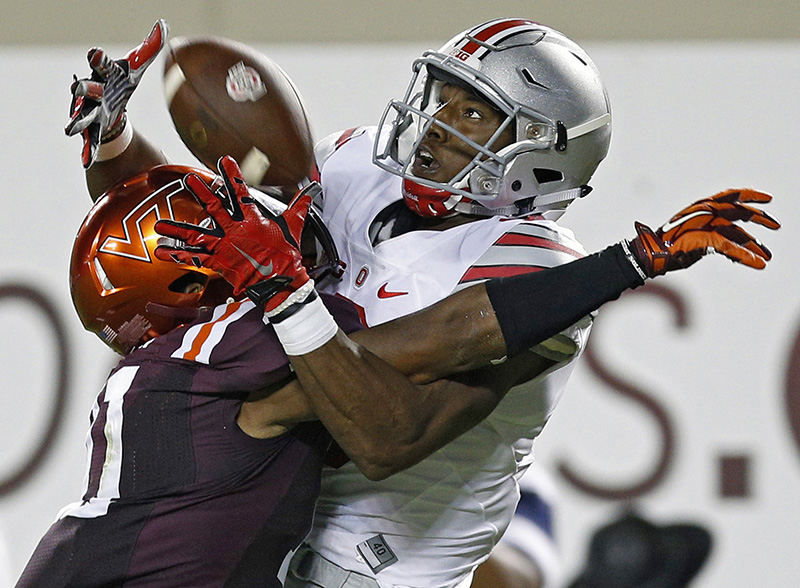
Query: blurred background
{"points": [[687, 405]]}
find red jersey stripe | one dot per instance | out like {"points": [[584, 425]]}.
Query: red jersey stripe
{"points": [[532, 241], [345, 137], [497, 271], [313, 174]]}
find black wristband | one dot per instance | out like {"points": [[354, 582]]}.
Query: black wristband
{"points": [[533, 307], [293, 309], [261, 292]]}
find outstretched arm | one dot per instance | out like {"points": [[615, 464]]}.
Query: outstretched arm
{"points": [[362, 386], [506, 317], [112, 150], [138, 156]]}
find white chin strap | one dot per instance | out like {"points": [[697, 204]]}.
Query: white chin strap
{"points": [[539, 203]]}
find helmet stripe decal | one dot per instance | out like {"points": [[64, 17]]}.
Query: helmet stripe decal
{"points": [[491, 33]]}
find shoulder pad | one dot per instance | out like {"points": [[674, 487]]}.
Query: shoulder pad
{"points": [[328, 146]]}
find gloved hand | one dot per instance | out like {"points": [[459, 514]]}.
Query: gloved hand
{"points": [[707, 226], [97, 110], [254, 249]]}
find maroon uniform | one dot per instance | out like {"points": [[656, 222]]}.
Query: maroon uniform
{"points": [[176, 493]]}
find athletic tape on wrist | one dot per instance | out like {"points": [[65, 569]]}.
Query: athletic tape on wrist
{"points": [[116, 146], [305, 330]]}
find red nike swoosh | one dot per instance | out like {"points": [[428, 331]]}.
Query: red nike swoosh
{"points": [[384, 293]]}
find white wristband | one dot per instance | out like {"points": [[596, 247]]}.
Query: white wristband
{"points": [[116, 146], [307, 329]]}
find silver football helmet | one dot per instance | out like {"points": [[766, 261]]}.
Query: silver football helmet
{"points": [[552, 97]]}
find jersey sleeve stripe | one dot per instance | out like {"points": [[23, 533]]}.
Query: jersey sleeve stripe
{"points": [[534, 241], [345, 137], [498, 271], [205, 332], [200, 340], [522, 255], [96, 440]]}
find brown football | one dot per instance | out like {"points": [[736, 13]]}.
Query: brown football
{"points": [[226, 98]]}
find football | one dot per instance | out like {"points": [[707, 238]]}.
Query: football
{"points": [[226, 98]]}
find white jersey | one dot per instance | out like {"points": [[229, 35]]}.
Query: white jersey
{"points": [[530, 532], [431, 524]]}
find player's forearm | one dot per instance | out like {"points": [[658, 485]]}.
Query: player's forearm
{"points": [[531, 308], [455, 335], [378, 417], [138, 156], [383, 422], [502, 317]]}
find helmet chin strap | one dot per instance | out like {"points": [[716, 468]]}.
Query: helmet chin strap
{"points": [[536, 204]]}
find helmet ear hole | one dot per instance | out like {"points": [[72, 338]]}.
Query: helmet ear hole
{"points": [[544, 176], [189, 282]]}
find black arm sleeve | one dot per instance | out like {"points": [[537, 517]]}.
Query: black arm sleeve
{"points": [[533, 307]]}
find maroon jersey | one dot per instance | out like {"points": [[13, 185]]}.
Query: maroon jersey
{"points": [[176, 494]]}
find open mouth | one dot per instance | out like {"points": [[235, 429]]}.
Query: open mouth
{"points": [[424, 162]]}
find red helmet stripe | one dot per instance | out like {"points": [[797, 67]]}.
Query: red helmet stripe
{"points": [[491, 31]]}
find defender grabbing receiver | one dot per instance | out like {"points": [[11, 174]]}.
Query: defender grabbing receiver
{"points": [[249, 237]]}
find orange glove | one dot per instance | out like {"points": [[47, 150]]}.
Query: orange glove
{"points": [[707, 226]]}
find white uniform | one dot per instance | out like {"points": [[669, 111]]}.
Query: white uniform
{"points": [[531, 532], [433, 523]]}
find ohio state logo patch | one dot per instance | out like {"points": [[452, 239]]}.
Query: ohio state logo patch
{"points": [[243, 83], [361, 277]]}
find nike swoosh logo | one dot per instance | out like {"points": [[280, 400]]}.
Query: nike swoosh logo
{"points": [[264, 270], [669, 226], [384, 293]]}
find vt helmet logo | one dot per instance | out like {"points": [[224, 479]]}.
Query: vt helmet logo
{"points": [[155, 207]]}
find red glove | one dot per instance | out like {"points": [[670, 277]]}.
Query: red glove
{"points": [[707, 226], [97, 110], [253, 249]]}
